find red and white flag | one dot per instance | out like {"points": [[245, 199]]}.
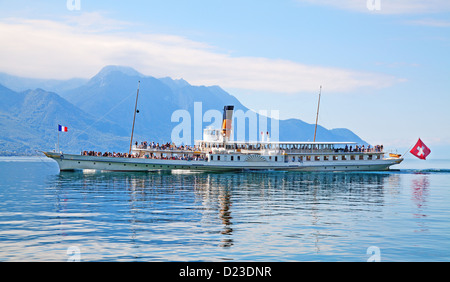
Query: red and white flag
{"points": [[420, 150]]}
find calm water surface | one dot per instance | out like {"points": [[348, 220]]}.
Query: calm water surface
{"points": [[249, 216]]}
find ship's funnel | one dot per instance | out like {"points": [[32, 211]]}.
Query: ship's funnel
{"points": [[226, 123]]}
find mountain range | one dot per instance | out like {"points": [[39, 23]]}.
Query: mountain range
{"points": [[99, 112]]}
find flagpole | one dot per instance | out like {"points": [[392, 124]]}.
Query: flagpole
{"points": [[58, 139], [407, 151], [317, 116], [134, 117]]}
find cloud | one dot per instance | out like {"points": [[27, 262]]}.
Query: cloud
{"points": [[81, 47], [386, 6], [430, 22], [96, 22]]}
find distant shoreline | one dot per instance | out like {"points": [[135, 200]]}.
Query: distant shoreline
{"points": [[19, 154]]}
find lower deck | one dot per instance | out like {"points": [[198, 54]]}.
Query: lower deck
{"points": [[250, 162]]}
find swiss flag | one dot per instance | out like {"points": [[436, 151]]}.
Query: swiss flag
{"points": [[420, 150]]}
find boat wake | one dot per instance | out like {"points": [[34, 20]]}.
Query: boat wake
{"points": [[426, 170]]}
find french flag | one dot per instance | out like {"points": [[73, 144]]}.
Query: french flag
{"points": [[62, 128]]}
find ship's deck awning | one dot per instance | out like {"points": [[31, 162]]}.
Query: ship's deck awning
{"points": [[275, 142]]}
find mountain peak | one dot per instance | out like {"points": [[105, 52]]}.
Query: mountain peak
{"points": [[114, 68], [174, 83]]}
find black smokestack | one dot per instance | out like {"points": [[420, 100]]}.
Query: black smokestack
{"points": [[226, 122]]}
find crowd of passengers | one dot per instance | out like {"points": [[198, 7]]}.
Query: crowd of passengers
{"points": [[172, 146], [163, 146], [136, 155], [108, 154], [147, 145], [376, 148]]}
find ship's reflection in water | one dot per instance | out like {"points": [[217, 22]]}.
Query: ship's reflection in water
{"points": [[266, 195], [218, 216]]}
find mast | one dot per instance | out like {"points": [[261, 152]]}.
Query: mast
{"points": [[134, 117], [317, 116]]}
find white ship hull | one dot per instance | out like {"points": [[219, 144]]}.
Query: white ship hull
{"points": [[68, 162]]}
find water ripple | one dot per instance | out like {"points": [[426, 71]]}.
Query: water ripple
{"points": [[263, 216]]}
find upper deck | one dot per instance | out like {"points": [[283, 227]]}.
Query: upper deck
{"points": [[263, 148], [287, 147], [217, 141]]}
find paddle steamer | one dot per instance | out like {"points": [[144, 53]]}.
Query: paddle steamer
{"points": [[216, 152]]}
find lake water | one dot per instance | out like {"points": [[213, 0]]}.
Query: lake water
{"points": [[401, 215]]}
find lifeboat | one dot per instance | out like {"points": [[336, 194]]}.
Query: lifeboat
{"points": [[392, 155]]}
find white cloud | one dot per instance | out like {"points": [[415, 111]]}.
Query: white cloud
{"points": [[386, 6], [430, 22], [96, 22], [80, 48]]}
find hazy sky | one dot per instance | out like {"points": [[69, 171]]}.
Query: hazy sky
{"points": [[384, 65]]}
